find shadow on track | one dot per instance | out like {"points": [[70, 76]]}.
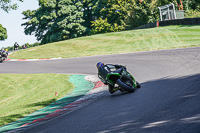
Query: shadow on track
{"points": [[164, 105]]}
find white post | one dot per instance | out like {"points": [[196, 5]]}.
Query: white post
{"points": [[174, 10], [169, 13], [160, 13]]}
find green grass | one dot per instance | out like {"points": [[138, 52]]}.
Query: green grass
{"points": [[22, 94], [118, 42]]}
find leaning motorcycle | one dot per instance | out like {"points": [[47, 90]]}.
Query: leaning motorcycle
{"points": [[3, 55], [122, 78], [1, 58]]}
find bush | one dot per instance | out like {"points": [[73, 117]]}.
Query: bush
{"points": [[10, 48], [36, 44], [27, 45], [192, 14], [103, 26]]}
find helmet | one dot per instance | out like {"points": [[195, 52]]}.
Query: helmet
{"points": [[99, 64]]}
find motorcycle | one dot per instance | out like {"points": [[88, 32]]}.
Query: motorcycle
{"points": [[16, 47], [24, 46], [122, 78], [3, 56]]}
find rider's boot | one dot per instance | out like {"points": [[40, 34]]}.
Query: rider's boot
{"points": [[112, 89]]}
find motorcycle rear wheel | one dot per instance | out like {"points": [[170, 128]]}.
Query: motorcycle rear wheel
{"points": [[124, 86]]}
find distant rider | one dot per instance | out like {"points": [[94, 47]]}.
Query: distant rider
{"points": [[24, 46], [16, 46], [103, 71]]}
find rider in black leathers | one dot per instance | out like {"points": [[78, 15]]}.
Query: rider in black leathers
{"points": [[4, 53], [103, 70], [16, 46]]}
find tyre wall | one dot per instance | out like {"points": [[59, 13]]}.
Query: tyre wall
{"points": [[185, 21]]}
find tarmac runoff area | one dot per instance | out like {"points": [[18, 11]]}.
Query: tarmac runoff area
{"points": [[87, 89]]}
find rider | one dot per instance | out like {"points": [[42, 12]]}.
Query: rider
{"points": [[16, 45], [3, 52], [24, 46], [103, 70]]}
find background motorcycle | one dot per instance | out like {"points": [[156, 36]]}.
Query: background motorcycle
{"points": [[24, 46]]}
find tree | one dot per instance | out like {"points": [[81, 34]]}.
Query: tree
{"points": [[55, 20], [91, 11], [113, 14], [3, 33], [141, 12], [7, 6]]}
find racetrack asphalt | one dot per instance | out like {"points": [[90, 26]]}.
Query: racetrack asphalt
{"points": [[168, 100]]}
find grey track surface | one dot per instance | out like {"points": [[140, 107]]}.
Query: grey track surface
{"points": [[168, 101]]}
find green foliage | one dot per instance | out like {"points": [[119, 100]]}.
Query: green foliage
{"points": [[10, 48], [7, 6], [140, 13], [103, 26], [100, 26], [113, 14], [91, 12], [36, 44], [192, 14], [194, 5], [3, 33], [27, 45], [55, 20], [115, 11]]}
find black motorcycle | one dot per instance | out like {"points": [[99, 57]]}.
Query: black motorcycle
{"points": [[2, 58], [3, 55], [16, 47]]}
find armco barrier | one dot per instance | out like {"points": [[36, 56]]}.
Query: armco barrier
{"points": [[185, 21], [145, 26]]}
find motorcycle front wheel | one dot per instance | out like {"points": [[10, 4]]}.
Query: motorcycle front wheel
{"points": [[125, 86]]}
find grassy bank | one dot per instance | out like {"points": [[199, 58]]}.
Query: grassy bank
{"points": [[22, 94], [120, 42]]}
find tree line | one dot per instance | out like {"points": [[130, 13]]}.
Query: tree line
{"points": [[57, 20]]}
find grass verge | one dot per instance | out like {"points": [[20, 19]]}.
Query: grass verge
{"points": [[22, 94], [118, 42]]}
